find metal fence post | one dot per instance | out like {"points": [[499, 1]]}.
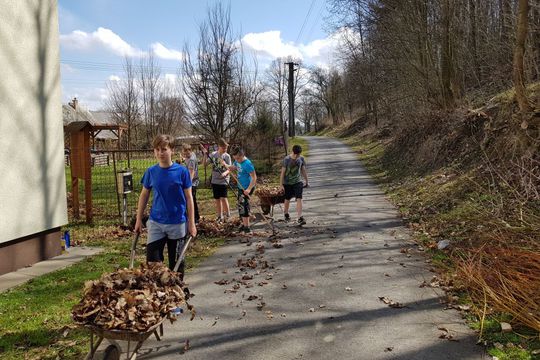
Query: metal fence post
{"points": [[116, 184]]}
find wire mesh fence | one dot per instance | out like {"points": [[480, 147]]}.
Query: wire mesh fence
{"points": [[108, 203]]}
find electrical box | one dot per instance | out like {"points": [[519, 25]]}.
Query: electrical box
{"points": [[125, 182]]}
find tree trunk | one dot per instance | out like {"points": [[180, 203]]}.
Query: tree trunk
{"points": [[447, 66], [474, 40], [519, 51]]}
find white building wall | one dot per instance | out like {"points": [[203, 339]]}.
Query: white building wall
{"points": [[32, 178]]}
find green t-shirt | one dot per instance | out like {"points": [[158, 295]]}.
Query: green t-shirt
{"points": [[293, 169]]}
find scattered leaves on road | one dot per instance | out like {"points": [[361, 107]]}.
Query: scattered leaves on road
{"points": [[391, 303]]}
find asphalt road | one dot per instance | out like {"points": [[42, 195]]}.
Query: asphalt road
{"points": [[321, 298]]}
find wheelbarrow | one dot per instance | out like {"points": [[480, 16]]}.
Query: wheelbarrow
{"points": [[268, 203], [113, 351]]}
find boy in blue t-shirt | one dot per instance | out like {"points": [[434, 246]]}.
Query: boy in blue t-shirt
{"points": [[247, 178], [171, 185]]}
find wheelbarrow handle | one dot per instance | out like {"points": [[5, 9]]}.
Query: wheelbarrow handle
{"points": [[182, 253], [133, 247]]}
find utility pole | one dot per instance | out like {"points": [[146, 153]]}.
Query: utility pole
{"points": [[290, 88]]}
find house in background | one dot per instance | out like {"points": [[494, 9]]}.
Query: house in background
{"points": [[106, 134], [33, 185]]}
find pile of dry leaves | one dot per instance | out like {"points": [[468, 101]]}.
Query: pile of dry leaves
{"points": [[131, 299], [214, 228]]}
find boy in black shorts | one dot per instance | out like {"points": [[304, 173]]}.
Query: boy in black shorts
{"points": [[247, 178], [294, 166], [219, 182]]}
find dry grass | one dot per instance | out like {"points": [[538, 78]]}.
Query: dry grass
{"points": [[507, 279]]}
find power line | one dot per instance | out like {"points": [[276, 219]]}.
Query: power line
{"points": [[103, 66], [305, 20], [316, 19]]}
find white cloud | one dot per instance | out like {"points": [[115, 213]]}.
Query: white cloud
{"points": [[270, 44], [165, 53], [114, 78], [101, 38], [108, 40]]}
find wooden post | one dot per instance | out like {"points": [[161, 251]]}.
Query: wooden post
{"points": [[88, 175]]}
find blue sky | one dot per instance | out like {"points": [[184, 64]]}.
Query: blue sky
{"points": [[96, 35]]}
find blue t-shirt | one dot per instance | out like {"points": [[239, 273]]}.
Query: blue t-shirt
{"points": [[168, 184], [244, 168]]}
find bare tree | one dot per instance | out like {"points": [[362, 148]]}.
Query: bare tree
{"points": [[170, 111], [149, 82], [519, 51], [401, 56], [327, 88], [219, 89], [123, 101]]}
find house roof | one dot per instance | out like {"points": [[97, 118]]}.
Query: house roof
{"points": [[103, 118], [98, 119]]}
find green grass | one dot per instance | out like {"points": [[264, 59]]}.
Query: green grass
{"points": [[517, 345], [510, 354], [35, 315]]}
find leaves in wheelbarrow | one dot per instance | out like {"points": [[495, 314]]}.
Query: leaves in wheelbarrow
{"points": [[269, 191], [131, 299]]}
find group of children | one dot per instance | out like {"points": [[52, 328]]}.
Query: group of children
{"points": [[174, 212]]}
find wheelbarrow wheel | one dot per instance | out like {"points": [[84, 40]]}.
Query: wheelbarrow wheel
{"points": [[111, 353], [265, 209]]}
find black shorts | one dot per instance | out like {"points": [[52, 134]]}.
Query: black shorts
{"points": [[154, 250], [220, 191], [243, 203], [293, 191]]}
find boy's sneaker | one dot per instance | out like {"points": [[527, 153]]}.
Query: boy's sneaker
{"points": [[301, 221], [219, 219], [287, 217], [246, 230]]}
